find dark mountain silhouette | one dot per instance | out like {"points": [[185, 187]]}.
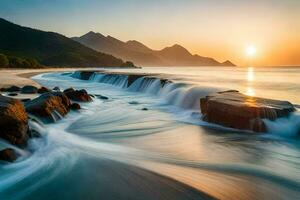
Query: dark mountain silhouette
{"points": [[50, 48], [175, 55]]}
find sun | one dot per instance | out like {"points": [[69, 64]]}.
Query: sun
{"points": [[250, 51]]}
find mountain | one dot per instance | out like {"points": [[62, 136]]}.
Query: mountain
{"points": [[140, 54], [50, 48]]}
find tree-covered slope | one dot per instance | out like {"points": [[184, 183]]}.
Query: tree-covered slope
{"points": [[50, 48]]}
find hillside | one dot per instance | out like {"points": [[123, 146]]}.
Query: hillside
{"points": [[50, 48], [140, 54]]}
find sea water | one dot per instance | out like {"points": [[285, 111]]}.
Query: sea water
{"points": [[114, 149]]}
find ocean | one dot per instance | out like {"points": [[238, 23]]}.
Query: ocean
{"points": [[148, 142]]}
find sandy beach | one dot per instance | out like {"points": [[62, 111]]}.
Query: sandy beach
{"points": [[21, 77]]}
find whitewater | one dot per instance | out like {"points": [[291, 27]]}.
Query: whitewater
{"points": [[147, 140]]}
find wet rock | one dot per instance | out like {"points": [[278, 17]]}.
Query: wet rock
{"points": [[56, 88], [48, 106], [78, 95], [29, 89], [43, 90], [133, 77], [34, 134], [13, 121], [8, 155], [101, 97], [25, 100], [236, 110], [133, 102], [163, 82], [75, 106], [69, 90], [12, 94], [85, 75], [11, 89]]}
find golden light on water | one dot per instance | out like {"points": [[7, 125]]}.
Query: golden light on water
{"points": [[250, 78], [250, 74], [250, 91]]}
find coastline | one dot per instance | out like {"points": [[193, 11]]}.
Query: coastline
{"points": [[21, 77]]}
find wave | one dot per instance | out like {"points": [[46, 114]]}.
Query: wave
{"points": [[184, 95], [180, 94]]}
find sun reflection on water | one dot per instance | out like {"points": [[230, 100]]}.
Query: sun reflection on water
{"points": [[250, 91], [250, 78]]}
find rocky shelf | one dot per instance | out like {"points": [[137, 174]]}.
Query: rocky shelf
{"points": [[236, 110]]}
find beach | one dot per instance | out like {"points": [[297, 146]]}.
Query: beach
{"points": [[146, 139]]}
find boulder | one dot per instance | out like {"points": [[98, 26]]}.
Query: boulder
{"points": [[101, 97], [11, 89], [236, 110], [56, 88], [25, 100], [8, 155], [78, 95], [12, 94], [29, 89], [75, 106], [13, 121], [43, 90], [69, 90], [48, 105]]}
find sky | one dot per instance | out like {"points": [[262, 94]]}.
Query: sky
{"points": [[222, 29]]}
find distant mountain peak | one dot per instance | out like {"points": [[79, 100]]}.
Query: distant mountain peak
{"points": [[175, 55], [227, 63], [177, 50], [136, 45], [92, 34]]}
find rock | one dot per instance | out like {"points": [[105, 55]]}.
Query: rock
{"points": [[11, 89], [101, 97], [48, 105], [144, 109], [43, 90], [56, 88], [133, 77], [133, 102], [236, 110], [34, 134], [78, 95], [29, 89], [75, 106], [13, 121], [12, 94], [25, 100], [163, 82], [8, 155], [85, 75], [69, 90]]}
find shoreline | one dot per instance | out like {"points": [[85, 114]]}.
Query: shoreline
{"points": [[21, 77]]}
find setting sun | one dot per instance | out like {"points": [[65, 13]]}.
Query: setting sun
{"points": [[251, 51]]}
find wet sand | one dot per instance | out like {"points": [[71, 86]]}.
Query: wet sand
{"points": [[21, 77]]}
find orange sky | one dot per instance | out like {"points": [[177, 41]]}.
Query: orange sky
{"points": [[215, 28]]}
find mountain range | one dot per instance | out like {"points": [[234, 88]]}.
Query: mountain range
{"points": [[142, 55], [50, 48]]}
